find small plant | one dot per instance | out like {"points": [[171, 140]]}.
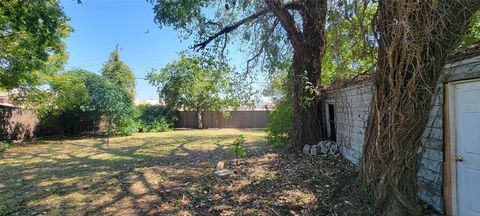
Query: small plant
{"points": [[3, 146], [277, 130], [237, 147]]}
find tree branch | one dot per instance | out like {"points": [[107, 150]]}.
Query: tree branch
{"points": [[296, 5], [287, 20], [262, 47], [230, 28]]}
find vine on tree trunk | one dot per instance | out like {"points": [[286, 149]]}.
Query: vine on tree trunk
{"points": [[306, 127], [415, 39]]}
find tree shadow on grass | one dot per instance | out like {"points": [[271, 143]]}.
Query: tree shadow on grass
{"points": [[89, 178], [96, 179]]}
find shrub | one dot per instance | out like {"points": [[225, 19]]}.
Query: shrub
{"points": [[158, 125], [155, 118], [126, 126], [277, 130], [68, 122], [4, 146], [237, 147]]}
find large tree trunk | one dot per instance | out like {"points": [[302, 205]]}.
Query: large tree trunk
{"points": [[199, 118], [306, 127], [415, 39], [308, 44]]}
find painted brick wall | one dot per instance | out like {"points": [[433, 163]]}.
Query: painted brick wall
{"points": [[430, 173], [351, 110]]}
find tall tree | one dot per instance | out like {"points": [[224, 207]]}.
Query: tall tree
{"points": [[64, 103], [351, 46], [194, 83], [268, 24], [31, 47], [415, 40], [119, 73], [110, 100]]}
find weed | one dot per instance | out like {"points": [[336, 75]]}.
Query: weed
{"points": [[237, 147]]}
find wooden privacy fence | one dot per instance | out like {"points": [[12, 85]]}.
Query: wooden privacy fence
{"points": [[237, 119], [16, 123]]}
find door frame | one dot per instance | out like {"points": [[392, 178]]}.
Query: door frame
{"points": [[327, 116], [450, 137]]}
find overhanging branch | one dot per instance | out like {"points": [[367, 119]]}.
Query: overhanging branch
{"points": [[230, 28], [291, 6], [287, 20], [262, 47]]}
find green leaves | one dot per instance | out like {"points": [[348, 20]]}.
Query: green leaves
{"points": [[351, 46], [119, 73], [194, 83], [281, 123], [112, 101], [32, 49], [155, 118], [107, 98], [473, 33], [237, 147]]}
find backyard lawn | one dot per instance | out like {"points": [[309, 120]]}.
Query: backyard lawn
{"points": [[171, 173]]}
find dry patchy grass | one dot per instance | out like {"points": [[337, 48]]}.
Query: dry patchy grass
{"points": [[170, 173]]}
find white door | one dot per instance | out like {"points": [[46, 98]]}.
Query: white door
{"points": [[467, 118]]}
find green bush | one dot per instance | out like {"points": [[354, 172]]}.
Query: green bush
{"points": [[158, 125], [71, 122], [4, 146], [126, 127], [155, 118], [237, 147], [277, 130]]}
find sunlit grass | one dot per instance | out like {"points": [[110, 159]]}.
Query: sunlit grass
{"points": [[84, 176]]}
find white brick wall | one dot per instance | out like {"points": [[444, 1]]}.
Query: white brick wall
{"points": [[351, 112]]}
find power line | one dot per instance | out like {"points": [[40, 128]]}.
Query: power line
{"points": [[144, 78], [92, 59], [81, 66]]}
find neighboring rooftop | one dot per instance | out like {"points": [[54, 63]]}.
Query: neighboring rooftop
{"points": [[147, 101]]}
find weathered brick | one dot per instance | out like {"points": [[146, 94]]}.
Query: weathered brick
{"points": [[352, 105]]}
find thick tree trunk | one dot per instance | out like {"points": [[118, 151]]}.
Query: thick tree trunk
{"points": [[415, 39], [199, 118], [306, 127], [308, 44]]}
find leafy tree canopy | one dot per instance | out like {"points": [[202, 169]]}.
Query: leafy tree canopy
{"points": [[119, 73], [69, 90], [108, 98], [350, 43], [473, 34], [114, 102], [194, 83], [31, 34]]}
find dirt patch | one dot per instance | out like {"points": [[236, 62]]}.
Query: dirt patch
{"points": [[279, 184]]}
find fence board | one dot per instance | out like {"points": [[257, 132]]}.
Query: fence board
{"points": [[237, 119]]}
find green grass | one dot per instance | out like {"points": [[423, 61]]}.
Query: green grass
{"points": [[84, 176]]}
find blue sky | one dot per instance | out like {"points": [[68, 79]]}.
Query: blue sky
{"points": [[101, 24]]}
